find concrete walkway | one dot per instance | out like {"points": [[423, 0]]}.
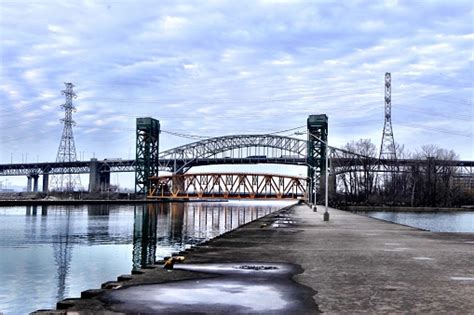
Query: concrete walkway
{"points": [[351, 264]]}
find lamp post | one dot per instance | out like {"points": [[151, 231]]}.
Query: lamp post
{"points": [[326, 213]]}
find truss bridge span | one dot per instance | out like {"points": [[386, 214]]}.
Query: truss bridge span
{"points": [[227, 186]]}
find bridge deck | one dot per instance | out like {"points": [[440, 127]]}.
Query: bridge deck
{"points": [[351, 264]]}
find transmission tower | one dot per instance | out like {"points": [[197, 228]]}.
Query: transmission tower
{"points": [[67, 148], [387, 148]]}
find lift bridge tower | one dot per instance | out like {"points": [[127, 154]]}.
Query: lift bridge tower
{"points": [[67, 148], [316, 154], [147, 150]]}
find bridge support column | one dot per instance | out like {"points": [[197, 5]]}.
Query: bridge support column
{"points": [[35, 182], [99, 176], [177, 183], [29, 179], [94, 180], [45, 182], [32, 184], [104, 179]]}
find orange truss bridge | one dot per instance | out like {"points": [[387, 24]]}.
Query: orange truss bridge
{"points": [[227, 186]]}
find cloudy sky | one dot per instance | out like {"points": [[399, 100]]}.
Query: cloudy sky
{"points": [[212, 68]]}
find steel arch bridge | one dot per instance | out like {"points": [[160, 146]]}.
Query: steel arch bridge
{"points": [[227, 186], [253, 146]]}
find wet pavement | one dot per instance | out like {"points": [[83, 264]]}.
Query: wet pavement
{"points": [[238, 288], [350, 265]]}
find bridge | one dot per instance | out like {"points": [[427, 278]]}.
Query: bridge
{"points": [[227, 186], [232, 149]]}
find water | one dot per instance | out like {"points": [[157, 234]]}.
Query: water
{"points": [[458, 222], [50, 253]]}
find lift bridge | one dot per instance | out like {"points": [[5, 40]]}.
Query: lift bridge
{"points": [[231, 149]]}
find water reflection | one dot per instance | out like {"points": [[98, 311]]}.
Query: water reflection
{"points": [[161, 229], [98, 222], [144, 236], [50, 253], [62, 255]]}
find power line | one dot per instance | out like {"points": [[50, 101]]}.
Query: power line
{"points": [[458, 117], [436, 130], [286, 130], [187, 136]]}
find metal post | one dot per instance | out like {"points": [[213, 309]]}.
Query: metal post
{"points": [[326, 213], [315, 208]]}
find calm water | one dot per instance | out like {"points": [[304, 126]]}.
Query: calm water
{"points": [[50, 253], [432, 221]]}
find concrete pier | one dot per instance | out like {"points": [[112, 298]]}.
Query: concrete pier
{"points": [[99, 176], [45, 182], [350, 265]]}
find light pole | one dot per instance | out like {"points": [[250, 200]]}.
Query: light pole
{"points": [[313, 187], [326, 213]]}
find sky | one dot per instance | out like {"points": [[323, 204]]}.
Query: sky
{"points": [[212, 68]]}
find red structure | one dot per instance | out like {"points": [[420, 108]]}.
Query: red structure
{"points": [[227, 186]]}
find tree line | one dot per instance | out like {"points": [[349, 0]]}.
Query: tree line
{"points": [[429, 183]]}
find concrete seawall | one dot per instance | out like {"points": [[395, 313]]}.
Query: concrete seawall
{"points": [[351, 265]]}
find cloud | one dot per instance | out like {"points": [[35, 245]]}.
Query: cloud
{"points": [[234, 67]]}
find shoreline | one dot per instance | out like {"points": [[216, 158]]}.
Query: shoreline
{"points": [[42, 202], [406, 209], [350, 264]]}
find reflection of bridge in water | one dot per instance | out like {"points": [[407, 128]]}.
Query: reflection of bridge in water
{"points": [[165, 228], [159, 230]]}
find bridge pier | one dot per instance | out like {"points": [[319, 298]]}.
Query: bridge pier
{"points": [[35, 182], [45, 182], [177, 183], [32, 182], [28, 184], [94, 185], [104, 179], [99, 176]]}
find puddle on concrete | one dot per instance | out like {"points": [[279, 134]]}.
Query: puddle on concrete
{"points": [[282, 223], [208, 295], [240, 288], [254, 269], [397, 249], [463, 278], [422, 258]]}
